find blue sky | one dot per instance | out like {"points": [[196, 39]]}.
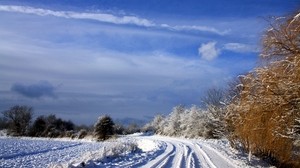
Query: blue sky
{"points": [[81, 59]]}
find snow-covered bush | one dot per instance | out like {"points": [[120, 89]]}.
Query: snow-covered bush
{"points": [[155, 125], [173, 122], [190, 122], [195, 123], [215, 101], [104, 154]]}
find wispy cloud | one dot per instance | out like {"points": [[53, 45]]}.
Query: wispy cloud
{"points": [[110, 18], [209, 51], [102, 17], [195, 28], [240, 48]]}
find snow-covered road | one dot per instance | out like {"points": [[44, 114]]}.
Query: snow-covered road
{"points": [[186, 153], [153, 151], [169, 152], [179, 153]]}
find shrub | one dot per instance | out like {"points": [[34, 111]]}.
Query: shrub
{"points": [[265, 118], [82, 133], [103, 128]]}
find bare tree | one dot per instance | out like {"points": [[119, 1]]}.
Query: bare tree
{"points": [[213, 97], [19, 118], [215, 102]]}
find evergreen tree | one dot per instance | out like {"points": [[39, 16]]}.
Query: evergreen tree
{"points": [[104, 127]]}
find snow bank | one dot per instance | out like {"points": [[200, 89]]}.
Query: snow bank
{"points": [[109, 151], [146, 145]]}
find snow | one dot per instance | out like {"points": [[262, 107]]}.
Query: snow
{"points": [[137, 150], [17, 152], [297, 16], [3, 133], [147, 145]]}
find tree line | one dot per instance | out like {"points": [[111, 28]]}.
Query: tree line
{"points": [[19, 121]]}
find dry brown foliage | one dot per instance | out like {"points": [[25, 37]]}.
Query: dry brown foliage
{"points": [[265, 118]]}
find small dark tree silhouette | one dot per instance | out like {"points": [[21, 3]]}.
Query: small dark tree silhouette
{"points": [[103, 128]]}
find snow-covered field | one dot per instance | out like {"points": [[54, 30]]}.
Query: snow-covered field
{"points": [[129, 151]]}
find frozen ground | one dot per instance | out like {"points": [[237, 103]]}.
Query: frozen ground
{"points": [[129, 151]]}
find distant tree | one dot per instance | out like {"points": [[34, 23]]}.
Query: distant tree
{"points": [[155, 125], [103, 128], [19, 118], [88, 128], [188, 122], [57, 126], [119, 129], [63, 125], [38, 126], [194, 126], [51, 126], [213, 97], [214, 101], [3, 123], [172, 128], [132, 128]]}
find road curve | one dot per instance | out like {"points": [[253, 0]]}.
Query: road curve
{"points": [[183, 153]]}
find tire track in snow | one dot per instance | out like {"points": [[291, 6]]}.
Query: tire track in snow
{"points": [[186, 153], [160, 159], [206, 158], [194, 161], [218, 158], [180, 156]]}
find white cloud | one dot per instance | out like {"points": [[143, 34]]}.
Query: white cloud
{"points": [[240, 48], [102, 17], [110, 18], [201, 28], [209, 51]]}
